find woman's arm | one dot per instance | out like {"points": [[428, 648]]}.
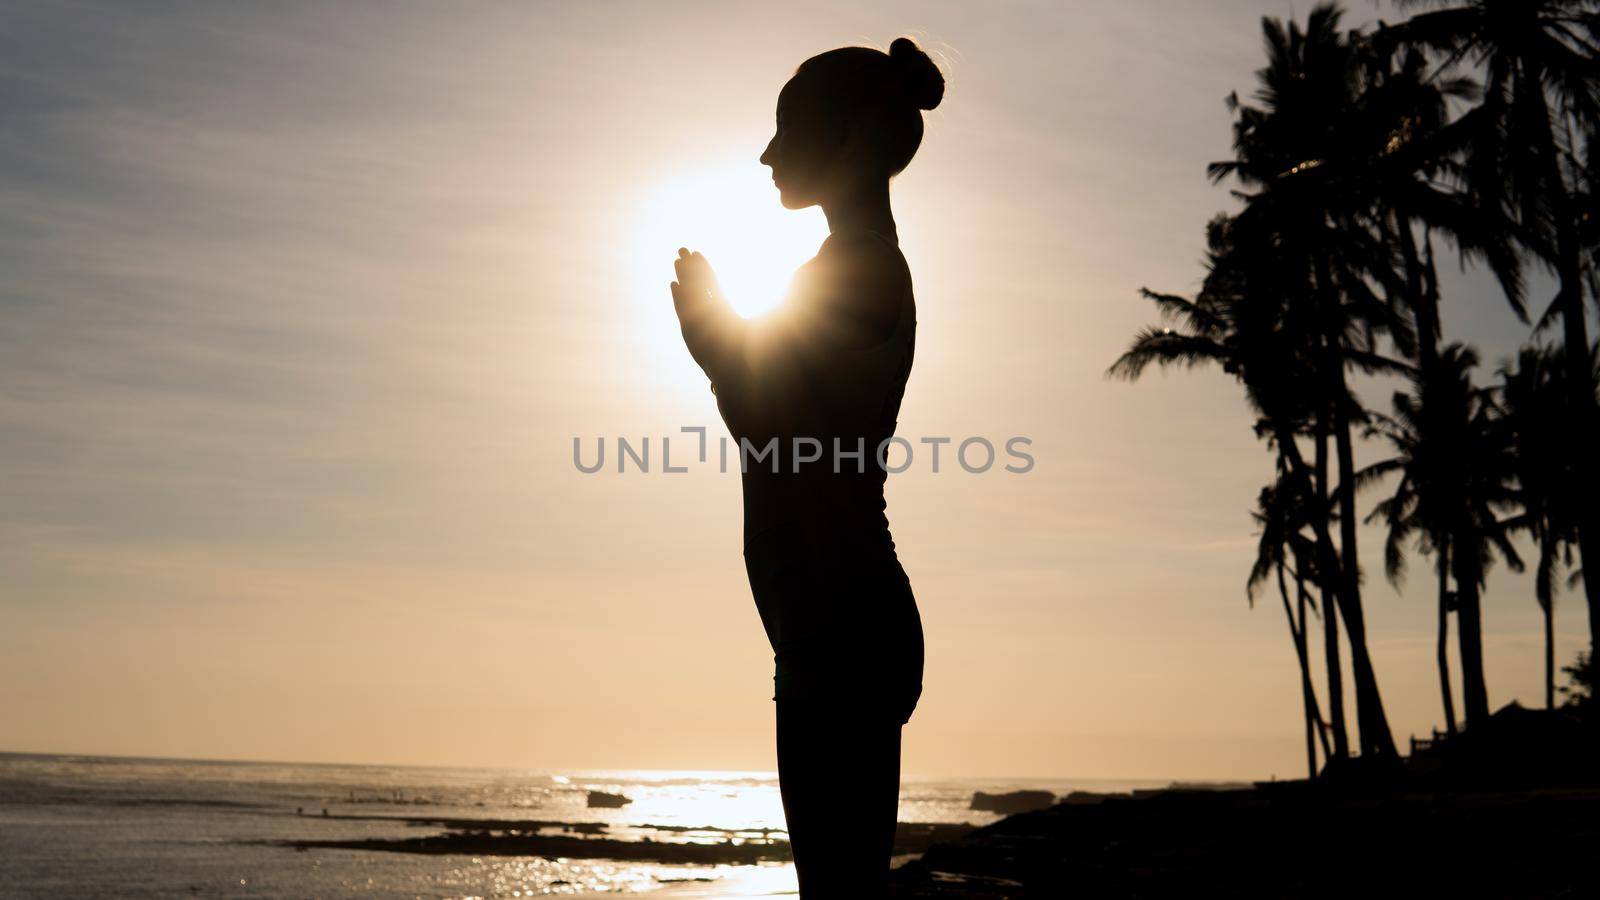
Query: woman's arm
{"points": [[713, 332], [721, 342], [751, 374]]}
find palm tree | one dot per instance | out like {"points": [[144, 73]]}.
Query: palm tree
{"points": [[1455, 468], [1533, 404], [1410, 511], [1239, 322], [1280, 512], [1541, 96], [1306, 158], [1413, 156]]}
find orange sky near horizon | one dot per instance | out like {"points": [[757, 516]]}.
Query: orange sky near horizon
{"points": [[305, 305]]}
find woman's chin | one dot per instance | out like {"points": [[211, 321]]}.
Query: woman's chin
{"points": [[791, 200]]}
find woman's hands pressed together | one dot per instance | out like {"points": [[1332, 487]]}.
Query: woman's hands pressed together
{"points": [[709, 324], [696, 285]]}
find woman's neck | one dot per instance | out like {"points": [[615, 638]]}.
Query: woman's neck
{"points": [[866, 209]]}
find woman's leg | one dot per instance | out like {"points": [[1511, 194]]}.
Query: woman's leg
{"points": [[839, 774]]}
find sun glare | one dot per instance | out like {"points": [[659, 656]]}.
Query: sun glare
{"points": [[732, 215]]}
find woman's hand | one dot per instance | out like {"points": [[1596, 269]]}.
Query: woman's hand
{"points": [[696, 288], [710, 327]]}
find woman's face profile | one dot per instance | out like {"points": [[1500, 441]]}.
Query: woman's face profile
{"points": [[800, 153]]}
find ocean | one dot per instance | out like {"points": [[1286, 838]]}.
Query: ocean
{"points": [[101, 827]]}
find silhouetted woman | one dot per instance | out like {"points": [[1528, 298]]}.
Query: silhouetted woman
{"points": [[812, 391]]}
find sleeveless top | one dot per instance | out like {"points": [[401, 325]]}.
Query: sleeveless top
{"points": [[849, 398], [833, 599]]}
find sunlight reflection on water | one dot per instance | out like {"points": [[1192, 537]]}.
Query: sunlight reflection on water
{"points": [[159, 828]]}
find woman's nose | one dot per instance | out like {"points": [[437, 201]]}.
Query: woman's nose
{"points": [[769, 155]]}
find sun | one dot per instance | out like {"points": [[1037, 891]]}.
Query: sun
{"points": [[732, 215]]}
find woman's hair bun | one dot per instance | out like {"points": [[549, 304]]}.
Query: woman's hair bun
{"points": [[922, 81]]}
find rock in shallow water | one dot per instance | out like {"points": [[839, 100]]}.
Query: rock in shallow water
{"points": [[1013, 802]]}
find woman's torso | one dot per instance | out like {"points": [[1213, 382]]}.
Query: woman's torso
{"points": [[833, 598], [851, 398]]}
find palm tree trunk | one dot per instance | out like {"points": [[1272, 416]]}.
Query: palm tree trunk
{"points": [[1373, 724], [1585, 444], [1327, 563], [1549, 658], [1442, 651], [1307, 693], [1376, 739], [1585, 447], [1547, 605], [1304, 598], [1329, 566], [1474, 689]]}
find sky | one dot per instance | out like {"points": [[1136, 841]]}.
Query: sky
{"points": [[302, 307]]}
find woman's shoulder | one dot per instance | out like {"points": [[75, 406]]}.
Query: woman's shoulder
{"points": [[864, 252], [863, 265], [860, 281]]}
